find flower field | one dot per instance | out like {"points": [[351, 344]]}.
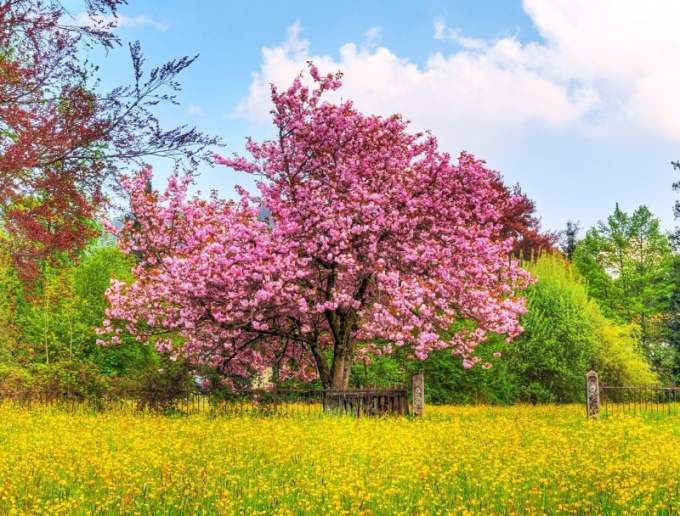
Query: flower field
{"points": [[457, 460]]}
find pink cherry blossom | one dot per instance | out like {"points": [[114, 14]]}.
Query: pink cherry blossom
{"points": [[372, 236]]}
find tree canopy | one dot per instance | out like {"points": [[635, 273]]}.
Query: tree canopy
{"points": [[520, 223]]}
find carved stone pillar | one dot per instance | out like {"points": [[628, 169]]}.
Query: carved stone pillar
{"points": [[418, 395], [592, 395]]}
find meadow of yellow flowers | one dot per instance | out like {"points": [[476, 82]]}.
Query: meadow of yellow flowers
{"points": [[456, 460]]}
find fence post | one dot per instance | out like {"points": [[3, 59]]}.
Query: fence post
{"points": [[418, 395], [276, 396], [592, 395]]}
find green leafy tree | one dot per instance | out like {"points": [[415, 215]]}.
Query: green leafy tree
{"points": [[565, 335], [627, 265], [59, 322], [619, 359], [672, 321], [569, 239]]}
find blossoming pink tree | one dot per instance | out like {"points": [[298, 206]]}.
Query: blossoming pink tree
{"points": [[374, 239]]}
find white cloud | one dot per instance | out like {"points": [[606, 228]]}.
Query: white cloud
{"points": [[444, 33], [606, 70], [193, 109], [139, 21], [371, 37], [121, 21]]}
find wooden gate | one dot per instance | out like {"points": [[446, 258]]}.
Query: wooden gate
{"points": [[369, 402]]}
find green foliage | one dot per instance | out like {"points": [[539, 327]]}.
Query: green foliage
{"points": [[56, 322], [382, 371], [446, 381], [620, 359], [559, 343], [92, 278], [565, 335], [14, 379], [59, 323], [10, 292], [66, 380], [627, 266], [672, 321], [163, 384], [47, 340], [78, 380]]}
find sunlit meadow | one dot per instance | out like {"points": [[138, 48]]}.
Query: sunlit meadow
{"points": [[457, 460]]}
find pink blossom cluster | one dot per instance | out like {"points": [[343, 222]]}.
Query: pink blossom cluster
{"points": [[374, 240]]}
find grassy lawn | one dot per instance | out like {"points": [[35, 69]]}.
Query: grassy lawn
{"points": [[457, 460]]}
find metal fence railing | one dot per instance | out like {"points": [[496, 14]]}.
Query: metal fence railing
{"points": [[645, 398], [255, 402]]}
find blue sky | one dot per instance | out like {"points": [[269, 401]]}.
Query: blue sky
{"points": [[575, 100]]}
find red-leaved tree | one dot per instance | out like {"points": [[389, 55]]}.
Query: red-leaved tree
{"points": [[519, 222], [373, 240], [61, 140]]}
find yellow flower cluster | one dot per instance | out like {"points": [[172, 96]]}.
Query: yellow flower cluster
{"points": [[457, 460]]}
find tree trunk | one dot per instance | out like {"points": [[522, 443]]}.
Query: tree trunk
{"points": [[344, 351], [321, 367], [341, 368], [339, 381]]}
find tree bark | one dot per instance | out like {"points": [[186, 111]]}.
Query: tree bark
{"points": [[342, 324], [322, 367], [342, 364]]}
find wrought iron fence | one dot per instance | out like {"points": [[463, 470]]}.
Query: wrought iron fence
{"points": [[638, 399], [254, 402]]}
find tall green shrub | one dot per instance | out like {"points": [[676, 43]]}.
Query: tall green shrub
{"points": [[559, 343], [565, 335]]}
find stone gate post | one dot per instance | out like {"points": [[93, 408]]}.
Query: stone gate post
{"points": [[592, 395], [418, 395]]}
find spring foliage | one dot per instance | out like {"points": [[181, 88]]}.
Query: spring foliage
{"points": [[56, 323]]}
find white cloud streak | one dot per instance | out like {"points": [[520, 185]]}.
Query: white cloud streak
{"points": [[444, 33], [122, 21], [194, 109]]}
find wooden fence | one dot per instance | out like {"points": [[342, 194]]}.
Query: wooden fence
{"points": [[371, 402]]}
